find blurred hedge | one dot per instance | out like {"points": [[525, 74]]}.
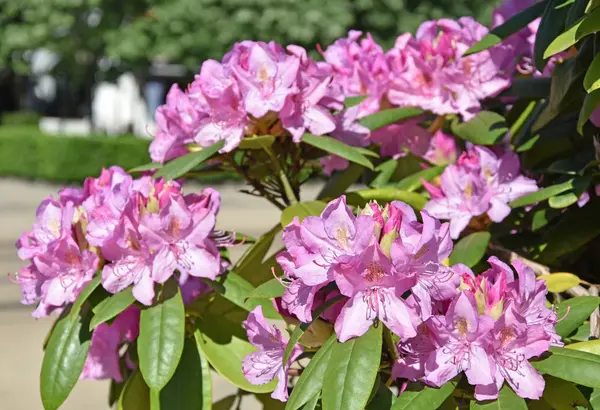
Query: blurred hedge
{"points": [[26, 152]]}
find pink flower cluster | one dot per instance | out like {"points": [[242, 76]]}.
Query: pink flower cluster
{"points": [[427, 71], [384, 265], [488, 330], [136, 232], [258, 88], [481, 182]]}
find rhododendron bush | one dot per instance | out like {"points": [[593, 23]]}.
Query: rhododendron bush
{"points": [[461, 277]]}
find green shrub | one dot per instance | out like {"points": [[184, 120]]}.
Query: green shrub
{"points": [[20, 118]]}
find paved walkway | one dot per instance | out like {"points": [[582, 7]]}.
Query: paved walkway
{"points": [[21, 336]]}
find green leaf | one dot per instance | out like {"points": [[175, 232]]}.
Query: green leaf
{"points": [[160, 344], [542, 217], [225, 403], [86, 293], [268, 290], [486, 128], [590, 346], [340, 181], [251, 266], [301, 210], [576, 228], [414, 181], [588, 24], [514, 24], [146, 167], [572, 365], [351, 371], [391, 116], [552, 24], [385, 195], [549, 192], [560, 282], [224, 344], [591, 81], [135, 394], [423, 397], [579, 309], [333, 146], [529, 88], [236, 289], [111, 307], [507, 400], [576, 11], [310, 382], [64, 357], [312, 403], [562, 395], [470, 249], [595, 399], [563, 200], [180, 166], [384, 398], [190, 386], [256, 142], [590, 103], [352, 101], [386, 171]]}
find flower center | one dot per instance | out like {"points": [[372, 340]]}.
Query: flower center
{"points": [[462, 325], [174, 226], [263, 73], [374, 272], [507, 335], [341, 234]]}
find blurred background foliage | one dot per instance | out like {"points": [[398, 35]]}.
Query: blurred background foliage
{"points": [[189, 31]]}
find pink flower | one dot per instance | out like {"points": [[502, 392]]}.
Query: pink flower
{"points": [[397, 140], [481, 182], [180, 237], [430, 71], [266, 364], [461, 344], [442, 149], [413, 355], [375, 291], [177, 123], [266, 75], [103, 360]]}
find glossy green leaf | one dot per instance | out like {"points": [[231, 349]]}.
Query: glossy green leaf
{"points": [[386, 117], [507, 400], [86, 293], [135, 394], [588, 24], [591, 81], [576, 228], [590, 346], [560, 282], [551, 25], [351, 371], [268, 290], [237, 289], [301, 210], [544, 193], [225, 403], [563, 200], [384, 398], [579, 310], [470, 249], [486, 128], [414, 181], [576, 11], [180, 166], [595, 399], [352, 101], [563, 395], [341, 181], [190, 386], [256, 142], [312, 403], [542, 218], [251, 265], [160, 343], [111, 307], [146, 167], [224, 344], [529, 88], [64, 357], [510, 27], [423, 397], [385, 195], [590, 103], [385, 172], [310, 382], [333, 146], [572, 365]]}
